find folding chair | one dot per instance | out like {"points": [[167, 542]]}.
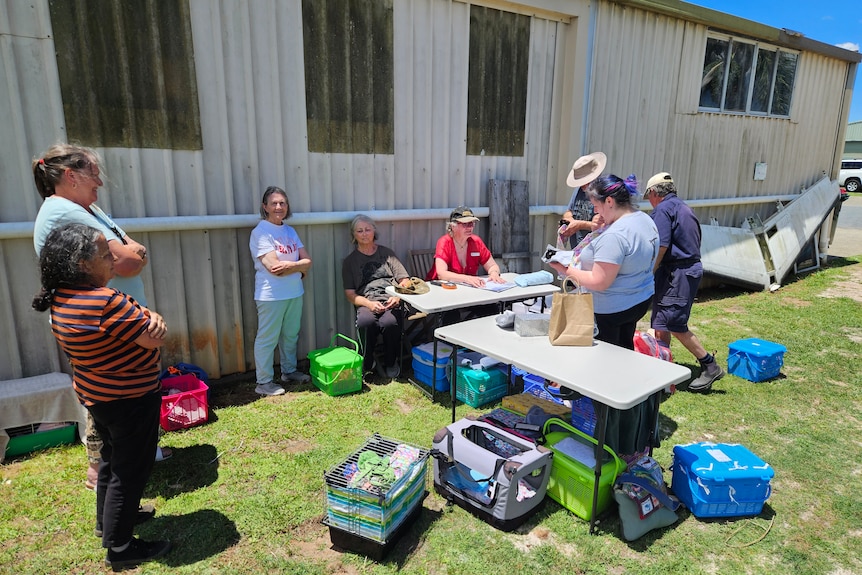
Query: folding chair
{"points": [[417, 323], [421, 261]]}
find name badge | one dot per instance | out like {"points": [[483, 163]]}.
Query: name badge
{"points": [[475, 254]]}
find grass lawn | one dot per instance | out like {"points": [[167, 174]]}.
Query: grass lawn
{"points": [[244, 493]]}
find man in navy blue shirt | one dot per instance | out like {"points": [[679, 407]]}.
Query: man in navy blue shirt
{"points": [[678, 272]]}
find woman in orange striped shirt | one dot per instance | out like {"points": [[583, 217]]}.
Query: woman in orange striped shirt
{"points": [[112, 343]]}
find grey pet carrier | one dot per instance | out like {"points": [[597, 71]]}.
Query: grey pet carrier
{"points": [[498, 476]]}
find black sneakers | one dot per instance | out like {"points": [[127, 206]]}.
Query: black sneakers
{"points": [[136, 553], [145, 513]]}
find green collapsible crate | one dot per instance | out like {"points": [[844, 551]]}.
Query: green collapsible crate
{"points": [[337, 370]]}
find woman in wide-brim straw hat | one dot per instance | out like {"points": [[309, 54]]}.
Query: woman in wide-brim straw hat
{"points": [[579, 219]]}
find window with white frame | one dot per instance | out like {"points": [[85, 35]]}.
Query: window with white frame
{"points": [[747, 77]]}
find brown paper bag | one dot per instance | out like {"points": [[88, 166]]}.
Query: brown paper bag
{"points": [[572, 318]]}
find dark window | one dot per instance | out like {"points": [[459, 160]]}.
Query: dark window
{"points": [[127, 72], [747, 77], [497, 83], [348, 49]]}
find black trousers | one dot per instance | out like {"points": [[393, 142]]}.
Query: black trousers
{"points": [[619, 328], [371, 325], [130, 433]]}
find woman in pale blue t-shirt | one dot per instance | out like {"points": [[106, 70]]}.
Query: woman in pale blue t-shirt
{"points": [[280, 263], [617, 267], [68, 178]]}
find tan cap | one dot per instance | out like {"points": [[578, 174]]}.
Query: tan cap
{"points": [[462, 214], [586, 169], [659, 178]]}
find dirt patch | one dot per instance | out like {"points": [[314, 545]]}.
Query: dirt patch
{"points": [[850, 286], [539, 536], [311, 541], [403, 407]]}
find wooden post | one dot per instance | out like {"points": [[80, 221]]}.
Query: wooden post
{"points": [[509, 222]]}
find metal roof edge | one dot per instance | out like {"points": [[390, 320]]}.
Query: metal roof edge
{"points": [[715, 19]]}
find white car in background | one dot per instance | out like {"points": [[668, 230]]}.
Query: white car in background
{"points": [[850, 176]]}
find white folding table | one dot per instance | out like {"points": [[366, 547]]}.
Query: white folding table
{"points": [[609, 375], [439, 300]]}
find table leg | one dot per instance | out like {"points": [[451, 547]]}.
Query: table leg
{"points": [[655, 440], [601, 427], [434, 373], [453, 361]]}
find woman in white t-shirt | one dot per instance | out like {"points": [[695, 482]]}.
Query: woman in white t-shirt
{"points": [[280, 263]]}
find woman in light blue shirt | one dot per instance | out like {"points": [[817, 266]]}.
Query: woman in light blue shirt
{"points": [[615, 263]]}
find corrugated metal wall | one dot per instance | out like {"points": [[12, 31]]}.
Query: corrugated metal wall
{"points": [[643, 85], [643, 114], [249, 68]]}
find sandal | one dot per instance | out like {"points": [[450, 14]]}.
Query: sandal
{"points": [[163, 453], [92, 477]]}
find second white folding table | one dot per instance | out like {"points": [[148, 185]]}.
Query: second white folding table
{"points": [[609, 375]]}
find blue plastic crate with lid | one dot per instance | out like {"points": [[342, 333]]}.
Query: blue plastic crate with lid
{"points": [[755, 359], [426, 370], [720, 479]]}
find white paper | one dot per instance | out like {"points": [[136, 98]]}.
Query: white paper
{"points": [[563, 257]]}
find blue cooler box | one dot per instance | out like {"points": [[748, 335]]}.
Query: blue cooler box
{"points": [[424, 367], [720, 479], [755, 359]]}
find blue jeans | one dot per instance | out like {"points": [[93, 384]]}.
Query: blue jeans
{"points": [[278, 324]]}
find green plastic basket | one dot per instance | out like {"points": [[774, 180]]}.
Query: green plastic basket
{"points": [[337, 370], [33, 440]]}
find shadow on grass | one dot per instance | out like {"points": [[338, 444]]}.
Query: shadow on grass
{"points": [[195, 536], [189, 469]]}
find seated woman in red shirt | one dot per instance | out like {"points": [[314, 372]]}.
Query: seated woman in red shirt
{"points": [[457, 258], [459, 252]]}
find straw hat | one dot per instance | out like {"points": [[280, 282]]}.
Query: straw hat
{"points": [[586, 169]]}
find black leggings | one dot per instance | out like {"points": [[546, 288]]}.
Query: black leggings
{"points": [[619, 328]]}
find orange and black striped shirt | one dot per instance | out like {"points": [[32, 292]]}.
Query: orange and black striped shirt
{"points": [[97, 328]]}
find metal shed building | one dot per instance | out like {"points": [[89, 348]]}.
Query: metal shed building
{"points": [[401, 109]]}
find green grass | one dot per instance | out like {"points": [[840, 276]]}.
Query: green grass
{"points": [[244, 493]]}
